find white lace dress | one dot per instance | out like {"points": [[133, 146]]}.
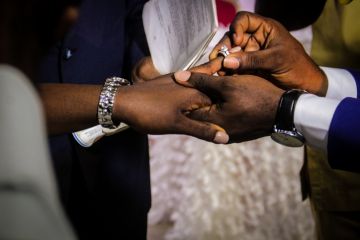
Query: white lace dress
{"points": [[240, 191]]}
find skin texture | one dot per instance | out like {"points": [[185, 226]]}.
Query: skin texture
{"points": [[244, 105], [69, 107], [270, 51], [145, 70], [161, 106], [154, 104], [146, 77]]}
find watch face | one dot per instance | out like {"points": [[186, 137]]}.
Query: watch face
{"points": [[288, 138]]}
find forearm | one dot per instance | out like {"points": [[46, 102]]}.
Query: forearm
{"points": [[69, 107]]}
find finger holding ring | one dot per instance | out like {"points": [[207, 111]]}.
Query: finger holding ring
{"points": [[224, 51]]}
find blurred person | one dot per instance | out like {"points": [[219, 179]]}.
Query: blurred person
{"points": [[29, 203]]}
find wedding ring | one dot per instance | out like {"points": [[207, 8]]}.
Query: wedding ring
{"points": [[224, 51]]}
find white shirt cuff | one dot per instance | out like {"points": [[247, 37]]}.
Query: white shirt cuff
{"points": [[312, 118], [341, 83]]}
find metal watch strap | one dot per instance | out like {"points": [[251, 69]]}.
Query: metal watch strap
{"points": [[107, 99]]}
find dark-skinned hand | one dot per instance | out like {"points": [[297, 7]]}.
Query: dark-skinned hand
{"points": [[244, 105], [145, 70], [161, 106], [268, 47]]}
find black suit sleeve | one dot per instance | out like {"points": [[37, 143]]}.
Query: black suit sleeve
{"points": [[294, 14]]}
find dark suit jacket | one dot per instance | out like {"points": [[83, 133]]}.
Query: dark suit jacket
{"points": [[105, 188], [344, 133]]}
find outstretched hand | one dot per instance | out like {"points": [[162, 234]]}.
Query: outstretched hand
{"points": [[244, 105], [161, 106]]}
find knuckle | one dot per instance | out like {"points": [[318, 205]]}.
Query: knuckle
{"points": [[278, 58], [203, 115], [206, 131], [241, 14], [199, 81], [253, 61], [177, 122], [226, 85], [204, 100], [195, 101]]}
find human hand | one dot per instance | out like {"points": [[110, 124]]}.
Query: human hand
{"points": [[267, 46], [161, 106], [245, 105], [210, 67], [144, 70]]}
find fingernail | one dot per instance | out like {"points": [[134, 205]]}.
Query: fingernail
{"points": [[231, 62], [235, 49], [182, 76], [234, 36], [221, 137]]}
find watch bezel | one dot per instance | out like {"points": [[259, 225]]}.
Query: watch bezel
{"points": [[290, 138]]}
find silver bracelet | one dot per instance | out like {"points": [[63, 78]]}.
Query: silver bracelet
{"points": [[106, 102]]}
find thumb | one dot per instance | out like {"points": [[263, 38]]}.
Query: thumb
{"points": [[204, 130], [209, 85], [210, 67]]}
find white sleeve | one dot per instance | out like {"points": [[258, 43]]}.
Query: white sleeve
{"points": [[341, 83], [313, 114], [312, 118]]}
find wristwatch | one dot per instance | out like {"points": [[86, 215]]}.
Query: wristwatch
{"points": [[284, 131]]}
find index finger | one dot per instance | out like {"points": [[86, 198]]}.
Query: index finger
{"points": [[209, 85], [246, 22], [224, 41]]}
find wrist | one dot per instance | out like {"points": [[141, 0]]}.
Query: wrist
{"points": [[120, 104], [106, 106], [317, 83], [274, 109]]}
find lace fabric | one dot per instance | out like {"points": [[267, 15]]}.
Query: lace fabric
{"points": [[239, 191]]}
